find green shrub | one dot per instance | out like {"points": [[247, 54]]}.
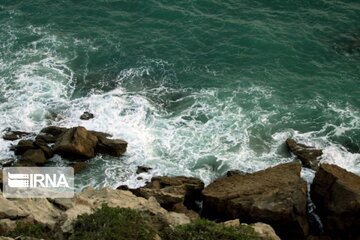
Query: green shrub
{"points": [[37, 230], [207, 230], [112, 224]]}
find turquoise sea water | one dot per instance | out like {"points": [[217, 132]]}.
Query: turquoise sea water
{"points": [[195, 87]]}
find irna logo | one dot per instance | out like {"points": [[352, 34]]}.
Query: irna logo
{"points": [[38, 182], [18, 180]]}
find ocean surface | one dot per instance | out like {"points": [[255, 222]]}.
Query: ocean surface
{"points": [[195, 87]]}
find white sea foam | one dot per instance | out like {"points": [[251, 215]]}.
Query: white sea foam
{"points": [[203, 132]]}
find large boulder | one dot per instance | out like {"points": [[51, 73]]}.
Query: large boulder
{"points": [[276, 196], [309, 156], [77, 143], [336, 194]]}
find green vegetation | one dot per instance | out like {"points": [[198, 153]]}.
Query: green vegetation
{"points": [[207, 230], [126, 224], [33, 230], [112, 224]]}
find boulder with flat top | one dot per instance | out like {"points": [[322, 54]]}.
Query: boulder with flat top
{"points": [[336, 194], [276, 196]]}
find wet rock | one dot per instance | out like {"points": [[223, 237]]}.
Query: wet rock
{"points": [[79, 166], [36, 156], [23, 146], [308, 156], [113, 147], [7, 162], [54, 131], [41, 144], [86, 116], [101, 134], [76, 142], [142, 169], [276, 196], [48, 138], [169, 191], [234, 172], [336, 194], [15, 135]]}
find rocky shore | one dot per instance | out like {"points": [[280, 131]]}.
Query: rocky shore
{"points": [[275, 201]]}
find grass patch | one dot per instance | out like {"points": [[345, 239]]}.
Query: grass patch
{"points": [[206, 230], [112, 224]]}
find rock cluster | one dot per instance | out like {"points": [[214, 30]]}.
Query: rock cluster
{"points": [[178, 194], [62, 212], [77, 144]]}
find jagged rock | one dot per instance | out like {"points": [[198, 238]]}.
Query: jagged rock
{"points": [[36, 156], [62, 212], [41, 144], [171, 192], [307, 155], [86, 116], [234, 172], [10, 210], [23, 146], [336, 194], [142, 169], [77, 142], [14, 135], [125, 199], [277, 196], [7, 162], [113, 147], [48, 138], [54, 131], [101, 134]]}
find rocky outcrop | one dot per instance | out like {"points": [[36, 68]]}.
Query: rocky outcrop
{"points": [[76, 142], [336, 194], [309, 156], [62, 212], [73, 143], [277, 196], [177, 194]]}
